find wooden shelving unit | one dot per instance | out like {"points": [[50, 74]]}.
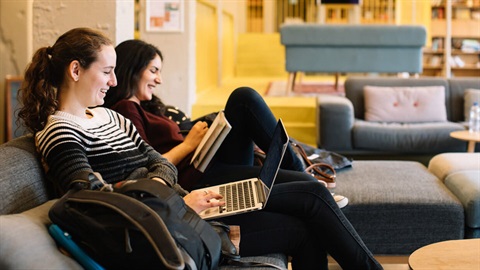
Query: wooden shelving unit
{"points": [[255, 16], [464, 60], [378, 11]]}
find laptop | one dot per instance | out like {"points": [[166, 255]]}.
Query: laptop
{"points": [[251, 194]]}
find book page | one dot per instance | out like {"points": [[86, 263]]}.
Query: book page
{"points": [[211, 142]]}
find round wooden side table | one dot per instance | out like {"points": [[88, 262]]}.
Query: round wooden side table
{"points": [[453, 254], [465, 135]]}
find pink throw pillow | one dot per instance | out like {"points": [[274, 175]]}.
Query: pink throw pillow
{"points": [[405, 104]]}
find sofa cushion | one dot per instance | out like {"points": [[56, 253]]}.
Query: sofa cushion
{"points": [[354, 88], [277, 259], [26, 244], [466, 186], [456, 89], [445, 164], [22, 182], [471, 96], [408, 137], [405, 104]]}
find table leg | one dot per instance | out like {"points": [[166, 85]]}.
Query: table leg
{"points": [[471, 146], [290, 83]]}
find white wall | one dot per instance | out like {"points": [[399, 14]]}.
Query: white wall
{"points": [[178, 49], [26, 25], [51, 18], [15, 46]]}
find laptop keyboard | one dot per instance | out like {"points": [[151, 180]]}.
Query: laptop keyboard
{"points": [[238, 196]]}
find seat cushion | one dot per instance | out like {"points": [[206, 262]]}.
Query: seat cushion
{"points": [[26, 244], [408, 137], [466, 186], [398, 206], [445, 164]]}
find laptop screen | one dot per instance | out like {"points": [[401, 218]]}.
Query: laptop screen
{"points": [[275, 155]]}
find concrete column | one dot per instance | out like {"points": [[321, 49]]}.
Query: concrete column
{"points": [[178, 49]]}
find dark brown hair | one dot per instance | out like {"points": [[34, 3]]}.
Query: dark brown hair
{"points": [[133, 57], [46, 73]]}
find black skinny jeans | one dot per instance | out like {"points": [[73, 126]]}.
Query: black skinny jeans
{"points": [[301, 218]]}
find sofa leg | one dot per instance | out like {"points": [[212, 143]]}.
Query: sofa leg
{"points": [[336, 80], [290, 82]]}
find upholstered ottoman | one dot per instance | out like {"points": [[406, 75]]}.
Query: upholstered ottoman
{"points": [[399, 206], [461, 174]]}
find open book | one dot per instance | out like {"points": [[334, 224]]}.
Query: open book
{"points": [[211, 142]]}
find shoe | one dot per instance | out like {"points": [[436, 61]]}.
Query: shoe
{"points": [[341, 201]]}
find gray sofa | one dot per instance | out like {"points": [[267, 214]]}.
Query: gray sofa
{"points": [[343, 128], [24, 204], [396, 207]]}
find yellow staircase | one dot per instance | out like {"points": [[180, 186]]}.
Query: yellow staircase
{"points": [[260, 60]]}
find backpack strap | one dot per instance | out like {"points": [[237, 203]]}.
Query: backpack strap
{"points": [[145, 220], [147, 187]]}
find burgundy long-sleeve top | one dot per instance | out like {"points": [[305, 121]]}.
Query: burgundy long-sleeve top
{"points": [[162, 134]]}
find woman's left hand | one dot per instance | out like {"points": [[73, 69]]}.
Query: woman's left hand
{"points": [[200, 200]]}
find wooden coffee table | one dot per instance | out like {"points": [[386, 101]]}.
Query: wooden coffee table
{"points": [[465, 135], [454, 254]]}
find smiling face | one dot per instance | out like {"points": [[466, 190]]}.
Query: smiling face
{"points": [[150, 78], [99, 77]]}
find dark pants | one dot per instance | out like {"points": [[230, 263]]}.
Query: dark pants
{"points": [[301, 218], [252, 122]]}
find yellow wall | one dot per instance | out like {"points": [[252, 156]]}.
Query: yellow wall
{"points": [[228, 45], [415, 12], [210, 71], [207, 48]]}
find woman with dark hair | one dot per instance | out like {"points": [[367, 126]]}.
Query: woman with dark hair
{"points": [[251, 119], [301, 218]]}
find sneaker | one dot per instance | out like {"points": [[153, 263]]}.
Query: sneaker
{"points": [[341, 201]]}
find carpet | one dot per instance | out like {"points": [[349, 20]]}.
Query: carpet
{"points": [[279, 88]]}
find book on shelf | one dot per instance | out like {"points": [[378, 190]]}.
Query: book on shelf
{"points": [[437, 44], [210, 143]]}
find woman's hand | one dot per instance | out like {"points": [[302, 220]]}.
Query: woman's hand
{"points": [[189, 144], [200, 200], [196, 134]]}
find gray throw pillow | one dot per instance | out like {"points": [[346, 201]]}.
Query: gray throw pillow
{"points": [[470, 95]]}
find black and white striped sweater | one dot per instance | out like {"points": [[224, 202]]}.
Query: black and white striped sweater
{"points": [[108, 143]]}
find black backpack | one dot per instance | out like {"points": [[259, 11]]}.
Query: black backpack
{"points": [[142, 225]]}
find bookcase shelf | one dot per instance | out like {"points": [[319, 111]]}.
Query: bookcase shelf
{"points": [[464, 59]]}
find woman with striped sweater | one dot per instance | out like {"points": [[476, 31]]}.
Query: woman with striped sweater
{"points": [[78, 140]]}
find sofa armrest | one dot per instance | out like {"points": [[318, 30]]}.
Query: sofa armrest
{"points": [[334, 122]]}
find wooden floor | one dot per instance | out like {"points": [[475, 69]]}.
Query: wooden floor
{"points": [[388, 263]]}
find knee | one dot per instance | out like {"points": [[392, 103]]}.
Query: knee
{"points": [[245, 95]]}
